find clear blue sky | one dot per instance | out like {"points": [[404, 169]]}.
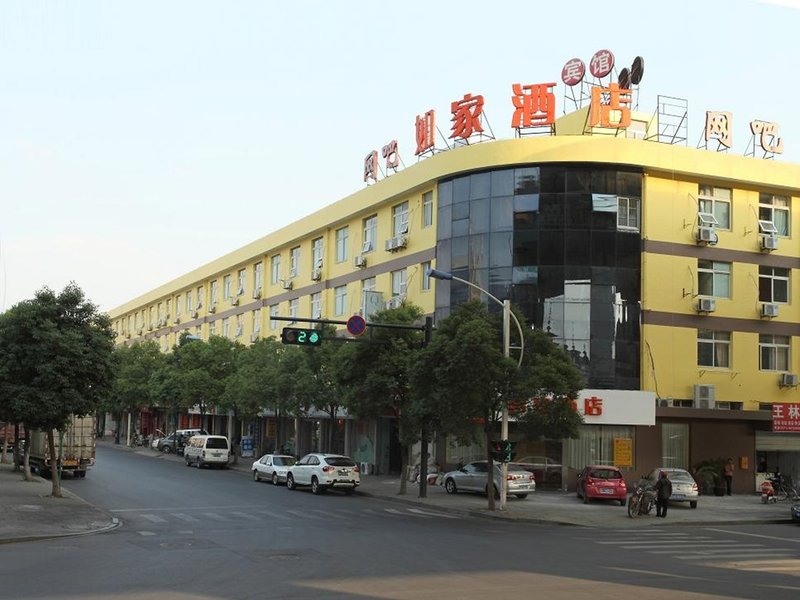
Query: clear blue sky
{"points": [[140, 140]]}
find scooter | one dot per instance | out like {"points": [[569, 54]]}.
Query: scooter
{"points": [[768, 493]]}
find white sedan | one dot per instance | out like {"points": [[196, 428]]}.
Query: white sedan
{"points": [[324, 472], [272, 467]]}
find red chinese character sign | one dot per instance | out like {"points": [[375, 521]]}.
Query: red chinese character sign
{"points": [[425, 129], [371, 166], [573, 71], [389, 152], [535, 106], [786, 416], [602, 63], [466, 116], [610, 107]]}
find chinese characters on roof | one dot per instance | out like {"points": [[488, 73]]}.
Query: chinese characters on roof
{"points": [[610, 109]]}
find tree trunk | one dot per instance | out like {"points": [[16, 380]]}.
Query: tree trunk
{"points": [[17, 461], [5, 443], [490, 470], [119, 426], [55, 468], [26, 458], [405, 467], [423, 463]]}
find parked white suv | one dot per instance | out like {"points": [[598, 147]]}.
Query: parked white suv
{"points": [[323, 472]]}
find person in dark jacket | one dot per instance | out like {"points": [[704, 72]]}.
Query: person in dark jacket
{"points": [[663, 492]]}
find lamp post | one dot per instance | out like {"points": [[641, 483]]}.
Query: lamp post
{"points": [[507, 314]]}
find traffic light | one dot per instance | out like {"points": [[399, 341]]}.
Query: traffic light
{"points": [[301, 337], [503, 450]]}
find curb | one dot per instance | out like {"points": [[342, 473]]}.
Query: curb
{"points": [[115, 522]]}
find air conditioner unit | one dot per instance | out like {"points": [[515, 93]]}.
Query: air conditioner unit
{"points": [[235, 301], [706, 235], [704, 396], [789, 380], [768, 309], [706, 305], [395, 302], [663, 403], [396, 243], [360, 262], [769, 242], [212, 309], [257, 293], [316, 274], [286, 284]]}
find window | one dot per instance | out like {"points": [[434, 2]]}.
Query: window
{"points": [[426, 281], [368, 284], [340, 297], [399, 282], [773, 352], [628, 213], [316, 253], [152, 318], [273, 312], [316, 305], [294, 261], [774, 209], [400, 219], [713, 348], [166, 308], [716, 201], [240, 283], [275, 269], [201, 296], [188, 305], [226, 327], [226, 288], [198, 331], [370, 234], [239, 326], [258, 276], [595, 446], [257, 321], [160, 311], [714, 278], [294, 306], [675, 445], [427, 209], [773, 284], [178, 305], [213, 294], [341, 244]]}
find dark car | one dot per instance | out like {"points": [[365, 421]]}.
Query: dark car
{"points": [[796, 513], [168, 444]]}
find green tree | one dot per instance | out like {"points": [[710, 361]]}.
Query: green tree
{"points": [[55, 362], [133, 386], [375, 372]]}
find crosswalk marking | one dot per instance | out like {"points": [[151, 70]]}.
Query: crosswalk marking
{"points": [[215, 517], [303, 515], [185, 517], [272, 515], [154, 518], [245, 516], [432, 514]]}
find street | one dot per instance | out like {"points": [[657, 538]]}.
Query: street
{"points": [[201, 533]]}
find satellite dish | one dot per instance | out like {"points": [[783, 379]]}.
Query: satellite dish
{"points": [[637, 70], [624, 79]]}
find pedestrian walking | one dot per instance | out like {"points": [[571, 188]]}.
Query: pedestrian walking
{"points": [[663, 492], [727, 473]]}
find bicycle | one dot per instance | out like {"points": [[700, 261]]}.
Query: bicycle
{"points": [[785, 491]]}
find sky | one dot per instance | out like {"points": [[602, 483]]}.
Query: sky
{"points": [[141, 140]]}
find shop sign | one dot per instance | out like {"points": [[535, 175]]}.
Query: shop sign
{"points": [[623, 453], [617, 407], [786, 416]]}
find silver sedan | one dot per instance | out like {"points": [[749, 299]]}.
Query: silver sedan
{"points": [[473, 477], [272, 467], [684, 487]]}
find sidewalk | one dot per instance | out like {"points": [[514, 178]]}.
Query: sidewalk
{"points": [[27, 511]]}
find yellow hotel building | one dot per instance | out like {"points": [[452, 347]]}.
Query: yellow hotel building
{"points": [[660, 268]]}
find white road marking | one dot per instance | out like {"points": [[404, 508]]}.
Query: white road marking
{"points": [[758, 535], [145, 533], [184, 517], [433, 514], [657, 573], [245, 516], [248, 506], [732, 556], [648, 541], [273, 515], [214, 517], [303, 515], [154, 518], [686, 545]]}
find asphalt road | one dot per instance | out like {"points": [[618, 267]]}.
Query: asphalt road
{"points": [[208, 534]]}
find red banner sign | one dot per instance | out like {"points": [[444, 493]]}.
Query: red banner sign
{"points": [[786, 416]]}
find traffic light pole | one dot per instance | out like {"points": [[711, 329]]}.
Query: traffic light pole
{"points": [[504, 422]]}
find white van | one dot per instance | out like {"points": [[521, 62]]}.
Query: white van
{"points": [[207, 450]]}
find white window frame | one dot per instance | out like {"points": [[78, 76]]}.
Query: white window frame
{"points": [[317, 253], [275, 269], [426, 281], [242, 281], [294, 308], [342, 236], [720, 343], [340, 300], [369, 284], [273, 312], [427, 210], [294, 261], [768, 205], [718, 271], [400, 219], [774, 278], [258, 276], [226, 327], [370, 234], [226, 287], [212, 328], [711, 198], [212, 300], [776, 349], [399, 282], [629, 212], [257, 321], [188, 304], [316, 305]]}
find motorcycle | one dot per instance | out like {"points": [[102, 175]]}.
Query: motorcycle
{"points": [[641, 502]]}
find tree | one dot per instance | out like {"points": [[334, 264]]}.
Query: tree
{"points": [[133, 385], [466, 379], [55, 362], [376, 374]]}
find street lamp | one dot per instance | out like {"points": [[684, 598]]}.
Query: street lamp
{"points": [[507, 314]]}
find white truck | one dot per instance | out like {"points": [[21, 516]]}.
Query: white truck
{"points": [[75, 448]]}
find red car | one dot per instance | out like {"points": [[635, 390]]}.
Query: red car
{"points": [[602, 482]]}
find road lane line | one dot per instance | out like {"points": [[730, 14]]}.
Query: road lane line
{"points": [[433, 514], [303, 515], [245, 516], [214, 517], [657, 573], [758, 535], [154, 518], [184, 517], [273, 515]]}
